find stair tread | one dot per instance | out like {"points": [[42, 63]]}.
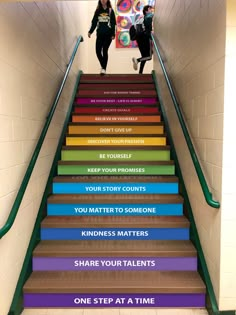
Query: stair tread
{"points": [[109, 135], [116, 248], [115, 222], [79, 124], [120, 86], [116, 199], [115, 162], [141, 148], [115, 282], [116, 179]]}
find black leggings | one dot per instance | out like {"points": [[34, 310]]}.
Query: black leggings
{"points": [[145, 48], [102, 45]]}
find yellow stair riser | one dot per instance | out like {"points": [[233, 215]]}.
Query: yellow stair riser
{"points": [[97, 141], [116, 129]]}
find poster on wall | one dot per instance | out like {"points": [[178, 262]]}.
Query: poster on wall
{"points": [[127, 11]]}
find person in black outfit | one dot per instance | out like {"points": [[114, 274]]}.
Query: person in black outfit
{"points": [[105, 21], [144, 40]]}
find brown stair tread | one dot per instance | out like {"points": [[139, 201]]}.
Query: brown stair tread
{"points": [[141, 148], [110, 123], [116, 114], [117, 179], [115, 222], [114, 282], [115, 248], [110, 135], [116, 78], [116, 199], [117, 86], [115, 162]]}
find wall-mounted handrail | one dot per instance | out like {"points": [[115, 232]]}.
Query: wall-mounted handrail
{"points": [[25, 181], [202, 180]]}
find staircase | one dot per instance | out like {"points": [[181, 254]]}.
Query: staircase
{"points": [[115, 234]]}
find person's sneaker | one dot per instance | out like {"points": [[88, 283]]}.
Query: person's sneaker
{"points": [[135, 63], [103, 72]]}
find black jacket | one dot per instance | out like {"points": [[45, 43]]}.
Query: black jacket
{"points": [[105, 21]]}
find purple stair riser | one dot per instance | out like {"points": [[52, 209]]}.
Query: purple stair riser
{"points": [[112, 101], [114, 263], [74, 300]]}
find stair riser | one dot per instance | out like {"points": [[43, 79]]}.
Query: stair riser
{"points": [[113, 170], [114, 209], [116, 110], [116, 93], [115, 188], [111, 263], [116, 130], [116, 101], [115, 155], [74, 300], [114, 234], [116, 119], [109, 141]]}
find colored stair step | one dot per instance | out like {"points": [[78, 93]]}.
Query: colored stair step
{"points": [[116, 110], [115, 255], [69, 153], [115, 141], [114, 289], [116, 101], [111, 168], [115, 228], [115, 185], [120, 205], [116, 93], [116, 118], [117, 130]]}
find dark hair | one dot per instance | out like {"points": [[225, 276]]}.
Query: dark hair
{"points": [[99, 6], [145, 9]]}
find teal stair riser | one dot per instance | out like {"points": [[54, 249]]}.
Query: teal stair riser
{"points": [[115, 188], [114, 209]]}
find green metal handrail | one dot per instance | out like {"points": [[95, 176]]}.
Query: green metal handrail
{"points": [[25, 181], [205, 189]]}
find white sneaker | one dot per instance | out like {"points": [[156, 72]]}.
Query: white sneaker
{"points": [[103, 72], [135, 63]]}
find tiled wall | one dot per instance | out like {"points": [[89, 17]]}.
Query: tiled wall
{"points": [[36, 41], [192, 36], [228, 240], [192, 40]]}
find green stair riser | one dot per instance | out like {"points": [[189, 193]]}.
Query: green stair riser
{"points": [[115, 155], [116, 170]]}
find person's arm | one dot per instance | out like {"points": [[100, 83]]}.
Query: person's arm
{"points": [[148, 24], [113, 23], [93, 23]]}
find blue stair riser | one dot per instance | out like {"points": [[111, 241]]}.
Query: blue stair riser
{"points": [[115, 234], [114, 263], [114, 209], [115, 188], [73, 300]]}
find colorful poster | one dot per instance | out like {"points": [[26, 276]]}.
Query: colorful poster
{"points": [[127, 11]]}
